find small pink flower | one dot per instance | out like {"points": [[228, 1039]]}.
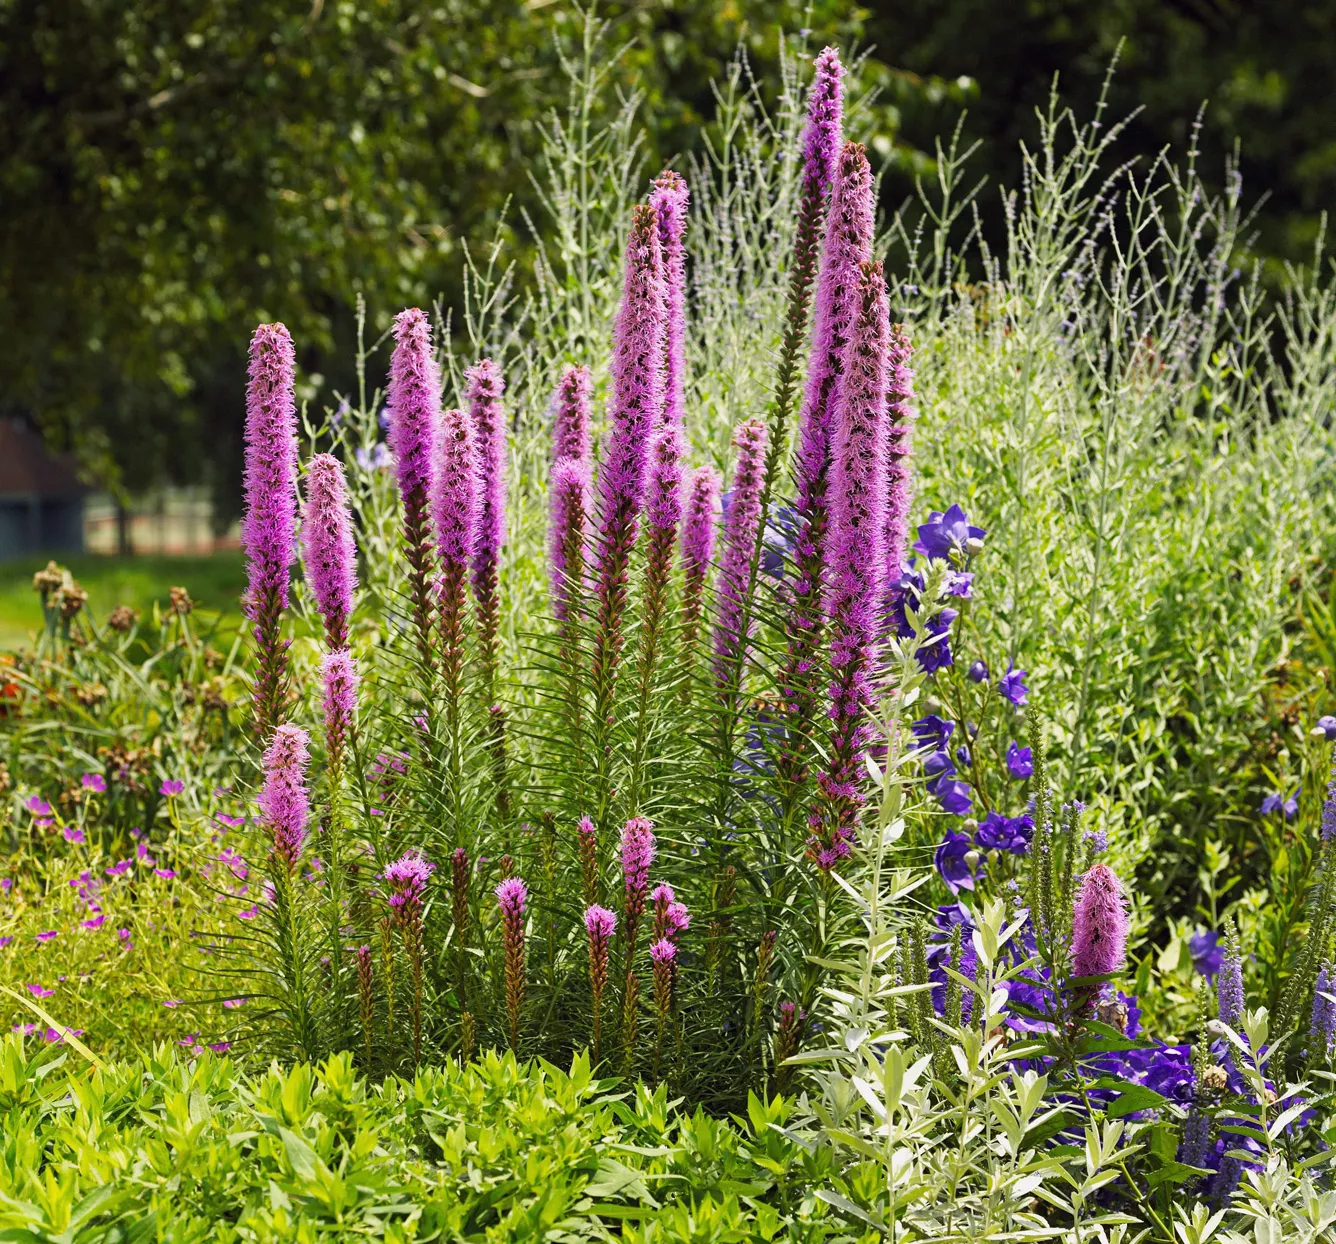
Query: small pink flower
{"points": [[94, 782], [48, 935], [37, 805], [220, 1047], [172, 1003], [40, 991], [75, 835], [232, 1003], [95, 923], [171, 787], [165, 873]]}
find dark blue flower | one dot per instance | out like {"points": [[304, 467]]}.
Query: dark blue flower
{"points": [[1270, 804], [1277, 801], [1291, 806], [954, 796], [1020, 761], [1005, 833], [950, 859], [963, 755], [1011, 686], [1207, 953], [961, 585], [935, 654], [932, 731], [939, 768], [978, 672], [1327, 725], [943, 533]]}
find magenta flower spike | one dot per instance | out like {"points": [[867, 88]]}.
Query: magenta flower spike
{"points": [[454, 512], [698, 532], [330, 552], [568, 534], [570, 415], [825, 121], [1100, 925], [600, 925], [857, 522], [338, 675], [638, 852], [637, 398], [284, 804], [269, 528], [483, 387], [407, 878], [415, 412], [741, 530], [901, 414], [512, 895]]}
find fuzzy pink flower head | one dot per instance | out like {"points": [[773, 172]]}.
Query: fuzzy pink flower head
{"points": [[268, 532], [638, 852], [677, 920], [670, 200], [569, 525], [415, 404], [600, 924], [454, 502], [407, 878], [327, 537], [570, 415], [825, 107], [741, 528], [483, 387], [284, 803], [662, 893], [1100, 924], [701, 522], [663, 500], [512, 894], [901, 414], [585, 826], [663, 951], [338, 672], [637, 377]]}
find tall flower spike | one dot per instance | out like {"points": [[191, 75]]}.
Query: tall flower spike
{"points": [[848, 245], [899, 449], [330, 553], [338, 671], [268, 532], [568, 534], [741, 528], [637, 397], [600, 925], [858, 514], [1322, 1024], [570, 415], [587, 842], [638, 852], [284, 804], [1099, 928], [511, 896], [407, 878], [454, 511], [1229, 983], [415, 412], [698, 532]]}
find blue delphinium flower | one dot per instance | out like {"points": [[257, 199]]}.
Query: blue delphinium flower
{"points": [[1011, 685], [1005, 833], [1207, 953], [1020, 761], [953, 863], [945, 532]]}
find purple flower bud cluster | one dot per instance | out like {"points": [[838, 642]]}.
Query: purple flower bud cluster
{"points": [[568, 532], [741, 528], [415, 407], [407, 878], [483, 387], [570, 415], [669, 200], [284, 803], [821, 138], [338, 675], [1100, 924], [901, 414], [698, 534], [454, 501], [330, 553]]}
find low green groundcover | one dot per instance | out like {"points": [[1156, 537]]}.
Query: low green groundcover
{"points": [[175, 1148]]}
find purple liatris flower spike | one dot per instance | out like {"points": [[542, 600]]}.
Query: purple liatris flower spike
{"points": [[407, 878], [587, 843], [570, 415], [741, 528], [698, 531], [511, 896], [330, 554], [600, 925], [669, 200], [899, 448], [483, 386], [663, 956], [268, 531], [638, 852], [857, 513], [568, 533], [637, 398], [821, 138], [454, 502], [338, 673], [284, 804], [415, 405], [1099, 925]]}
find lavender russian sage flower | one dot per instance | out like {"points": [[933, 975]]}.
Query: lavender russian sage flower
{"points": [[330, 553], [637, 397], [284, 803], [567, 534], [338, 674], [848, 245], [570, 415], [415, 411], [1099, 926], [899, 450], [857, 512], [268, 531], [698, 531], [741, 530]]}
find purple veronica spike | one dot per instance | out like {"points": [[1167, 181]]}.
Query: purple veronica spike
{"points": [[568, 531], [338, 673], [1328, 831], [1229, 984], [331, 555], [570, 415], [1322, 1028], [284, 805], [858, 510], [1099, 924], [483, 388], [415, 410], [454, 494], [268, 533], [825, 107], [740, 532], [899, 448]]}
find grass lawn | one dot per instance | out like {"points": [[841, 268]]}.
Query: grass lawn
{"points": [[214, 582]]}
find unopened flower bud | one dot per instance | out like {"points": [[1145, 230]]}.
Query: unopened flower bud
{"points": [[974, 545], [972, 859]]}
